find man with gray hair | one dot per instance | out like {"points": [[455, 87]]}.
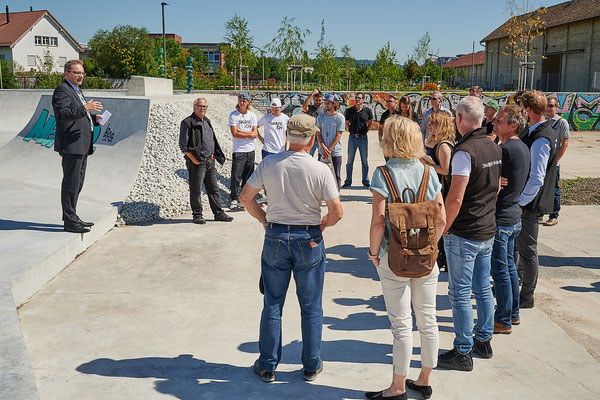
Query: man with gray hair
{"points": [[437, 98], [198, 142], [469, 235], [295, 184]]}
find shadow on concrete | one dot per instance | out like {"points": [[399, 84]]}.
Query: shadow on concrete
{"points": [[584, 262], [10, 225], [364, 321], [351, 197], [375, 303], [179, 377], [355, 262], [348, 350], [595, 287]]}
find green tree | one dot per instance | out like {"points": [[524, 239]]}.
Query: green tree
{"points": [[239, 43], [522, 28], [9, 81], [288, 44], [422, 49], [411, 70], [348, 63], [200, 60], [124, 51], [327, 67], [45, 63], [385, 69], [447, 73]]}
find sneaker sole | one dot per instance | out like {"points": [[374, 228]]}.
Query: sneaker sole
{"points": [[455, 367]]}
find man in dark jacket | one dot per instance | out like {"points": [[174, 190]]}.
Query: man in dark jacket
{"points": [[537, 197], [199, 143], [73, 140]]}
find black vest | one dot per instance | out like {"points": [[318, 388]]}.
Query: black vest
{"points": [[476, 219], [543, 203]]}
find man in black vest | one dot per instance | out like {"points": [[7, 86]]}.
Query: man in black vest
{"points": [[199, 143], [537, 197], [73, 140], [469, 235]]}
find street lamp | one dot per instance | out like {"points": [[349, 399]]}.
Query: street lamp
{"points": [[163, 4], [262, 53]]}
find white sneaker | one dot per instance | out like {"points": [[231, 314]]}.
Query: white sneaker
{"points": [[234, 205]]}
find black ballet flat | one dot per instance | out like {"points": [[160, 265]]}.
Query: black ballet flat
{"points": [[426, 391], [379, 396]]}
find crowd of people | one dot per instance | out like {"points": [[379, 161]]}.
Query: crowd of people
{"points": [[493, 171]]}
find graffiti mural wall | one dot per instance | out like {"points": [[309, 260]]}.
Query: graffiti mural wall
{"points": [[582, 110]]}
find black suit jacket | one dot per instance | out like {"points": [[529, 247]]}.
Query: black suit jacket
{"points": [[73, 133]]}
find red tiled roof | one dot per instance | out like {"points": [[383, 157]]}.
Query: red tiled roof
{"points": [[559, 14], [21, 22], [466, 60]]}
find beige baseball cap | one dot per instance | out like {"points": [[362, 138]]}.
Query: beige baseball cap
{"points": [[301, 125]]}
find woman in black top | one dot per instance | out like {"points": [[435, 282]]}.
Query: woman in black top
{"points": [[441, 146], [406, 109]]}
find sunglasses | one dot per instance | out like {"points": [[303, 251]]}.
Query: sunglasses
{"points": [[390, 101], [552, 105]]}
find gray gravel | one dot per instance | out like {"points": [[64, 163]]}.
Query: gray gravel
{"points": [[161, 188]]}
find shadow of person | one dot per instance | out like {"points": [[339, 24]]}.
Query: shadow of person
{"points": [[189, 378], [10, 225], [355, 262], [358, 322], [375, 303]]}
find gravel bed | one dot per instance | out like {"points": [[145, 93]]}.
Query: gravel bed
{"points": [[161, 188]]}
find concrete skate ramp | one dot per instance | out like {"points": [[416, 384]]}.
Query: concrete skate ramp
{"points": [[33, 246]]}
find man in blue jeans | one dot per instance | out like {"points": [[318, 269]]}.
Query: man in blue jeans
{"points": [[359, 120], [295, 184], [469, 234], [509, 121]]}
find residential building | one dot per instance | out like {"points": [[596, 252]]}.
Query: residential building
{"points": [[470, 69], [26, 38], [566, 56], [216, 57]]}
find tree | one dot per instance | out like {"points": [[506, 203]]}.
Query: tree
{"points": [[124, 51], [326, 62], [411, 70], [347, 62], [522, 28], [288, 44], [239, 43], [385, 69], [45, 64], [8, 77], [200, 60], [423, 49]]}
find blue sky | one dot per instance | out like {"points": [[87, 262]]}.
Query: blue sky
{"points": [[364, 25]]}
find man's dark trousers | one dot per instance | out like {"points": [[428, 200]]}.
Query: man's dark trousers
{"points": [[73, 166], [206, 173], [528, 255], [242, 167]]}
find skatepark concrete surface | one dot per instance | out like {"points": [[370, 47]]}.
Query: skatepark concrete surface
{"points": [[172, 310]]}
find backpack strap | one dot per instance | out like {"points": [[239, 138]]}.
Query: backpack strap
{"points": [[389, 181], [422, 195]]}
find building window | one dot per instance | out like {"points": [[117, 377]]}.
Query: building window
{"points": [[46, 41], [62, 61], [31, 61]]}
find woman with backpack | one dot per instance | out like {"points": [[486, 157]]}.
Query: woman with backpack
{"points": [[441, 144], [407, 275]]}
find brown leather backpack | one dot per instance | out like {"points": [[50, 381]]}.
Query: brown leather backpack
{"points": [[412, 243]]}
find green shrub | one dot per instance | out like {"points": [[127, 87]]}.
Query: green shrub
{"points": [[48, 81], [8, 78], [94, 82]]}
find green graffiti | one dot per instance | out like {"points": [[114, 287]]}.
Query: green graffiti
{"points": [[43, 131], [584, 121]]}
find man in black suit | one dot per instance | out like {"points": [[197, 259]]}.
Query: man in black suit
{"points": [[73, 140]]}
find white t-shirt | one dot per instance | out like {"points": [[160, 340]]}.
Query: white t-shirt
{"points": [[461, 163], [295, 183], [275, 128], [243, 122]]}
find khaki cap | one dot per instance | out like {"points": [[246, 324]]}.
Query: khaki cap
{"points": [[301, 125]]}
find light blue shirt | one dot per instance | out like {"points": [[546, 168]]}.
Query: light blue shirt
{"points": [[406, 174], [540, 153], [330, 125]]}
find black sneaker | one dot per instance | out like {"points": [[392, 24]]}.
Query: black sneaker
{"points": [[312, 375], [223, 217], [525, 303], [366, 184], [266, 376], [346, 185], [199, 220], [454, 360], [483, 349]]}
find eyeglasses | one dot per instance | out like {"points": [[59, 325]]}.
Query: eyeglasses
{"points": [[390, 101], [552, 105], [436, 99], [201, 107], [77, 73], [359, 98]]}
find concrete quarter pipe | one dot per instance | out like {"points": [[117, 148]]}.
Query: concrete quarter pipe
{"points": [[33, 246]]}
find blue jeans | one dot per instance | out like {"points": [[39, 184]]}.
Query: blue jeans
{"points": [[362, 144], [265, 153], [556, 195], [314, 148], [287, 249], [469, 268], [504, 273]]}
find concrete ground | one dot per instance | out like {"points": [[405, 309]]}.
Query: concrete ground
{"points": [[172, 310]]}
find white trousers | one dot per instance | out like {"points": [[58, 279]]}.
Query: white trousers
{"points": [[398, 294]]}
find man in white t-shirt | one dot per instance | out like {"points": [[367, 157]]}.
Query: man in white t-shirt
{"points": [[296, 184], [244, 129], [275, 125]]}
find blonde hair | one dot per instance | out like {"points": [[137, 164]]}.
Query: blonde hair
{"points": [[445, 129], [402, 138]]}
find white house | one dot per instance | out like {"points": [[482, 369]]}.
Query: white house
{"points": [[25, 37]]}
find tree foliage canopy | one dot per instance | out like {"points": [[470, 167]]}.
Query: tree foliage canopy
{"points": [[239, 43], [288, 44], [523, 27], [422, 49], [124, 51]]}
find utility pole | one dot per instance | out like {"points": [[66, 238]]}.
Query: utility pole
{"points": [[473, 65], [163, 4]]}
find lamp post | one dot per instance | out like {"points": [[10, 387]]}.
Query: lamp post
{"points": [[262, 53], [163, 4]]}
